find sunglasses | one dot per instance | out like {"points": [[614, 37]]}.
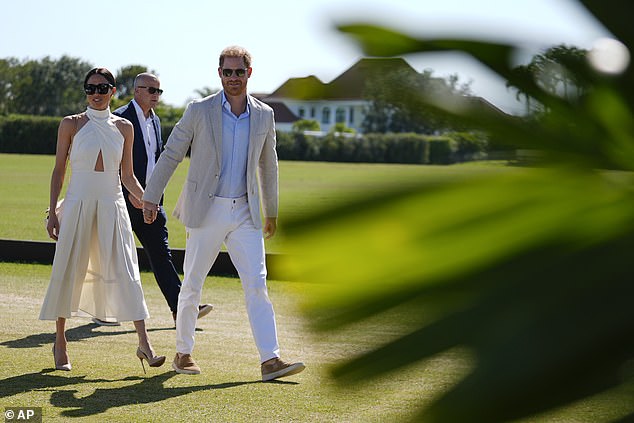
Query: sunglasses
{"points": [[152, 90], [90, 89], [239, 72]]}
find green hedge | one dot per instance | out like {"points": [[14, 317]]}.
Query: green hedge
{"points": [[37, 135], [383, 148], [28, 134]]}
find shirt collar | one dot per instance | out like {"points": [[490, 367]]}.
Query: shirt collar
{"points": [[227, 106], [139, 111]]}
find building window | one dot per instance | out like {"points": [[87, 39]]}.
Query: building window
{"points": [[351, 115], [340, 115], [325, 115], [312, 112], [301, 112]]}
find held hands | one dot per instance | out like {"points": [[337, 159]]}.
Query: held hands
{"points": [[150, 211], [135, 201]]}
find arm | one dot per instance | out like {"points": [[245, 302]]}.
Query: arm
{"points": [[268, 168], [127, 170], [176, 148], [65, 131]]}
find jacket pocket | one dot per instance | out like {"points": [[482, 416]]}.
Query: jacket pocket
{"points": [[191, 186]]}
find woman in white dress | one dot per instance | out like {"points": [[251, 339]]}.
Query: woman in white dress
{"points": [[95, 270]]}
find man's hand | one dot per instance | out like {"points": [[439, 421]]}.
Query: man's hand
{"points": [[270, 226], [150, 211]]}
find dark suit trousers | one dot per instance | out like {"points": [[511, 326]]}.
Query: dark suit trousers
{"points": [[153, 237]]}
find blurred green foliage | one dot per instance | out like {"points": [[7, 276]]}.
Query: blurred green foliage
{"points": [[306, 125], [531, 271]]}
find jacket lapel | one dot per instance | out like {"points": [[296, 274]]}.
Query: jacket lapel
{"points": [[139, 155], [254, 141], [215, 116]]}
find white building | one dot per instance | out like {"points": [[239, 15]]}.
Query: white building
{"points": [[343, 100]]}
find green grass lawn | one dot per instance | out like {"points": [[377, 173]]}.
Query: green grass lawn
{"points": [[108, 384], [304, 187]]}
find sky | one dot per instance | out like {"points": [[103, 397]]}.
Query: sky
{"points": [[181, 40]]}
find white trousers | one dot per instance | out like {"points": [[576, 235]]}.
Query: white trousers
{"points": [[228, 221]]}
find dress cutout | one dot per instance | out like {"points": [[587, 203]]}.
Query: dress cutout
{"points": [[95, 270]]}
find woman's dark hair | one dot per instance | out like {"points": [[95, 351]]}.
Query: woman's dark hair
{"points": [[103, 72]]}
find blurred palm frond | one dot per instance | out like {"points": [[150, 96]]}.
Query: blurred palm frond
{"points": [[531, 268]]}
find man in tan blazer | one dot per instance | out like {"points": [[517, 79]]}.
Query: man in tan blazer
{"points": [[232, 139]]}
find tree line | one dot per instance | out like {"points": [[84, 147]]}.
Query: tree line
{"points": [[399, 101], [52, 87]]}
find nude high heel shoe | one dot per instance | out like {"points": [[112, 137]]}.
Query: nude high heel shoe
{"points": [[156, 361], [65, 367]]}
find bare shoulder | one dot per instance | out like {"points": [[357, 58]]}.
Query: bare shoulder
{"points": [[71, 123], [71, 119], [121, 121], [123, 124]]}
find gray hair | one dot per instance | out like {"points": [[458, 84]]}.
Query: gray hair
{"points": [[144, 75]]}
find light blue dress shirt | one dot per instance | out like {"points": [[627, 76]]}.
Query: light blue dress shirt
{"points": [[235, 148]]}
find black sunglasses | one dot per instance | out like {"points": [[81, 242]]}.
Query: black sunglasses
{"points": [[90, 89], [152, 90], [239, 72]]}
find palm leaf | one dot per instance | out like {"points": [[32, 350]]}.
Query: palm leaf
{"points": [[529, 269]]}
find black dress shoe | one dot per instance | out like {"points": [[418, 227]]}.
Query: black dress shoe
{"points": [[203, 310]]}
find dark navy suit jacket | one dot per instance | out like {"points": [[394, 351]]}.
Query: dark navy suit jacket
{"points": [[139, 155]]}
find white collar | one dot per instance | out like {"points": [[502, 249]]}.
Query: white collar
{"points": [[139, 112]]}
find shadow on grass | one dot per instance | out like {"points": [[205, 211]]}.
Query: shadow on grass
{"points": [[75, 334], [147, 390], [40, 381]]}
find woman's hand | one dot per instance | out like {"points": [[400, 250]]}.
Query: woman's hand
{"points": [[138, 204], [52, 227]]}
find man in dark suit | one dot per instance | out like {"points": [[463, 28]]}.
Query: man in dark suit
{"points": [[145, 152]]}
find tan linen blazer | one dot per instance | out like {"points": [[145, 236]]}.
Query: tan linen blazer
{"points": [[201, 129]]}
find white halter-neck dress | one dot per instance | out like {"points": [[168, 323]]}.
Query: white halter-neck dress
{"points": [[95, 270]]}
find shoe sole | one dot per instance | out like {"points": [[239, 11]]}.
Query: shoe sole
{"points": [[183, 371], [205, 310], [289, 371], [105, 323], [158, 363]]}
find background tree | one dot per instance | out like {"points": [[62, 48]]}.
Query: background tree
{"points": [[45, 87], [555, 71], [305, 125], [398, 102], [7, 69], [125, 80], [522, 73], [341, 128]]}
